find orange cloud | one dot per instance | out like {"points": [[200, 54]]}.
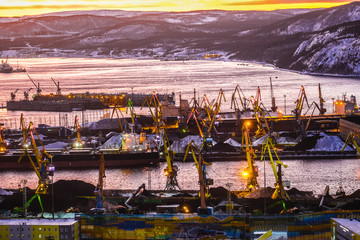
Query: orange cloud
{"points": [[270, 2]]}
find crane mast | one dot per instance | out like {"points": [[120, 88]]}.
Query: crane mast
{"points": [[273, 104], [251, 171]]}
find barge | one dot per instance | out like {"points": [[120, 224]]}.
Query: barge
{"points": [[81, 159]]}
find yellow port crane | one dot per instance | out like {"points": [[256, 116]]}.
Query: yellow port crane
{"points": [[251, 172], [78, 143], [259, 114], [351, 139], [43, 168], [268, 147], [154, 103], [3, 146], [201, 167], [171, 170], [117, 110]]}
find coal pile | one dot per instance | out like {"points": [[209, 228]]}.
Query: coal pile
{"points": [[67, 194], [223, 147], [306, 144]]}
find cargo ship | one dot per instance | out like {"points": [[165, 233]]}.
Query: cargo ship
{"points": [[81, 159]]}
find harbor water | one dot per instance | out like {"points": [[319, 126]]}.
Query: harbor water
{"points": [[145, 76]]}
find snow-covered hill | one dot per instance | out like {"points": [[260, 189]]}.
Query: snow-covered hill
{"points": [[321, 41]]}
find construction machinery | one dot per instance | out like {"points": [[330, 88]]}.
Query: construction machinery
{"points": [[322, 110], [273, 104], [118, 112], [26, 94], [259, 114], [351, 139], [58, 89], [13, 95], [38, 89], [251, 172], [99, 209], [171, 170], [268, 147], [154, 103], [78, 143], [43, 168], [3, 145], [238, 95], [203, 180]]}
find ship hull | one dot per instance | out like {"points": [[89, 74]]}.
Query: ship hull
{"points": [[83, 160]]}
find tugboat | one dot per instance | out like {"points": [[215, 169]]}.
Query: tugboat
{"points": [[5, 67]]}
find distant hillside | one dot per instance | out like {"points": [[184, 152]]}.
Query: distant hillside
{"points": [[319, 41]]}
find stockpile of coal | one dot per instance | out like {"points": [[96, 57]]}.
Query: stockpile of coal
{"points": [[223, 147], [67, 194], [306, 144]]}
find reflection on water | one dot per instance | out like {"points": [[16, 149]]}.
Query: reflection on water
{"points": [[309, 175], [146, 76]]}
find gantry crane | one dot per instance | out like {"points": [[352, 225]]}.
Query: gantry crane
{"points": [[43, 168], [251, 172], [268, 147], [38, 90], [78, 143], [201, 167], [171, 170], [13, 94], [58, 89]]}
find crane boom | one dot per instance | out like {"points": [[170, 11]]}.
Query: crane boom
{"points": [[38, 90]]}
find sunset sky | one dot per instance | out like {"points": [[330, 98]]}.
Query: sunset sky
{"points": [[32, 7]]}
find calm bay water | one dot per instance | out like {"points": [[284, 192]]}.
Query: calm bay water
{"points": [[145, 76]]}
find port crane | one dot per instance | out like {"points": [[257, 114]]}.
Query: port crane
{"points": [[13, 94], [238, 94], [201, 167], [154, 103], [58, 89], [351, 139], [251, 172], [171, 170], [38, 89], [117, 110], [43, 168], [78, 143], [3, 146], [299, 103], [26, 94], [99, 190], [259, 114], [273, 104], [268, 147]]}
